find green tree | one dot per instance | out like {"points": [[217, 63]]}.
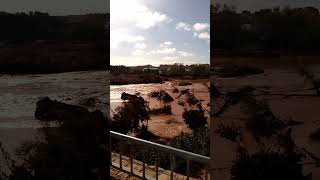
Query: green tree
{"points": [[135, 110]]}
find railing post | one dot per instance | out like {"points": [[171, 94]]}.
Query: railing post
{"points": [[143, 169], [110, 149], [120, 159], [131, 158], [156, 163], [172, 165], [206, 173], [188, 169], [157, 171]]}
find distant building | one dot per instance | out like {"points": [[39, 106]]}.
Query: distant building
{"points": [[151, 70], [246, 27]]}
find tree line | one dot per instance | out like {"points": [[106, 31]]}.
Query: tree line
{"points": [[281, 31], [24, 27], [172, 70]]}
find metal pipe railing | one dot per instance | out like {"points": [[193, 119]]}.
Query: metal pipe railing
{"points": [[188, 156]]}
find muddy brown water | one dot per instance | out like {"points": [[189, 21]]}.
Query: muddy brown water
{"points": [[19, 94], [299, 108], [166, 126]]}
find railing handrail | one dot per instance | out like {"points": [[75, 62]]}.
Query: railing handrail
{"points": [[174, 151]]}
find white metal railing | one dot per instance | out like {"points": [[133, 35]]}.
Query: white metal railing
{"points": [[188, 156]]}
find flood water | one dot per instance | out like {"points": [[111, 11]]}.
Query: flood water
{"points": [[19, 94], [166, 126]]}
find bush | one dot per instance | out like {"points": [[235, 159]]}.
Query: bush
{"points": [[119, 69], [165, 110], [176, 90], [134, 110], [261, 122], [214, 91], [228, 132], [200, 70], [161, 96], [181, 103], [268, 165], [195, 118], [152, 156], [184, 84], [192, 100], [75, 149], [177, 70], [198, 142], [89, 102], [143, 133]]}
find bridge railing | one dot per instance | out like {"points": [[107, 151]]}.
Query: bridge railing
{"points": [[187, 156]]}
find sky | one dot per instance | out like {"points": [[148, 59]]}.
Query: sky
{"points": [[260, 4], [56, 7], [159, 32]]}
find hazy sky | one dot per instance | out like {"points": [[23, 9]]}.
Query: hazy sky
{"points": [[56, 7], [259, 4], [159, 31]]}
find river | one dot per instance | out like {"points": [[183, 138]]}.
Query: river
{"points": [[19, 94], [166, 126]]}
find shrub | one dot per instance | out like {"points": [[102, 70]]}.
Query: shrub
{"points": [[200, 70], [197, 142], [261, 122], [177, 70], [161, 96], [184, 84], [152, 156], [214, 91], [228, 132], [176, 90], [164, 110], [180, 103], [89, 102], [143, 133], [134, 110], [195, 118], [268, 165], [119, 69], [192, 100], [75, 149]]}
